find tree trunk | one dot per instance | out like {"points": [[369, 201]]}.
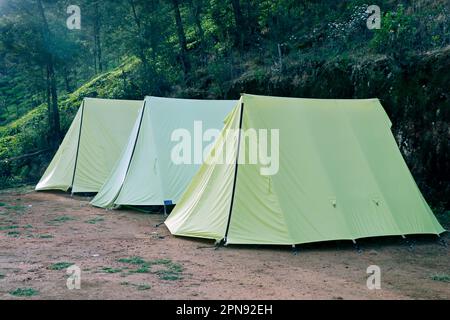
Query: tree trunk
{"points": [[53, 110], [141, 49], [195, 11], [240, 23], [181, 38], [97, 40], [67, 80]]}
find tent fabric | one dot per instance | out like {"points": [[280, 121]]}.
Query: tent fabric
{"points": [[92, 145], [145, 173], [341, 177]]}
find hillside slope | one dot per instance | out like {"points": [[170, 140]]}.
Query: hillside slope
{"points": [[28, 134]]}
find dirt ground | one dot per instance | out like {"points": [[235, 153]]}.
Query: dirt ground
{"points": [[123, 254]]}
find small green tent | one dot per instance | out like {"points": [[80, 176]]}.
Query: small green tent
{"points": [[340, 177], [92, 145], [146, 173]]}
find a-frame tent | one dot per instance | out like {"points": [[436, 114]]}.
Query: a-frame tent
{"points": [[95, 140], [341, 177], [146, 173]]}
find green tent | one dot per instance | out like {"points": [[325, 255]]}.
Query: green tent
{"points": [[92, 145], [340, 177], [146, 173]]}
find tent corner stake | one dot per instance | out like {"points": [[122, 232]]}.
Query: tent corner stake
{"points": [[357, 247]]}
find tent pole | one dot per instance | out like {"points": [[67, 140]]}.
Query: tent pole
{"points": [[235, 172], [78, 147]]}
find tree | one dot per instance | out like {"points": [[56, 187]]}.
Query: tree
{"points": [[97, 38], [52, 94], [181, 38], [240, 23]]}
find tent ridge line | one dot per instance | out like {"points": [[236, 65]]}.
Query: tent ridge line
{"points": [[235, 173], [78, 145]]}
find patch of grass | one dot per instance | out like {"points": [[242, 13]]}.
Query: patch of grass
{"points": [[9, 227], [132, 260], [95, 220], [60, 265], [143, 286], [2, 204], [111, 270], [163, 275], [140, 286], [2, 276], [441, 277], [13, 234], [169, 275], [24, 292], [28, 226], [172, 272], [45, 236], [18, 207], [144, 268], [61, 219], [161, 261]]}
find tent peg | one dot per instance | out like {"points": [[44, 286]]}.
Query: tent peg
{"points": [[294, 250], [357, 247], [409, 242]]}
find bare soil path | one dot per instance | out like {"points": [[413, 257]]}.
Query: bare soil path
{"points": [[123, 255]]}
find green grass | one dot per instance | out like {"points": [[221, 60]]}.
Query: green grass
{"points": [[441, 277], [172, 271], [144, 268], [61, 219], [24, 292], [45, 236], [140, 286], [169, 276], [161, 261], [60, 265], [132, 260], [18, 208], [28, 226], [95, 220], [9, 227], [143, 286], [2, 204], [111, 270], [2, 276], [13, 234]]}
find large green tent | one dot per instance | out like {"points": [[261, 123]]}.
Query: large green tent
{"points": [[146, 173], [92, 145], [341, 177]]}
